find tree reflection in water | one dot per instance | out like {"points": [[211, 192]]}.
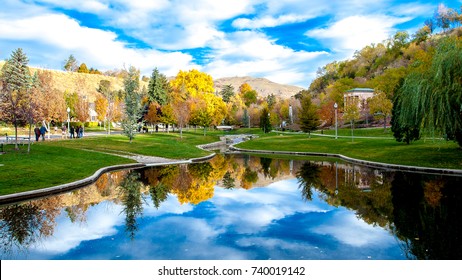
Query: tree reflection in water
{"points": [[427, 215], [423, 211], [130, 193], [25, 224], [308, 178], [420, 210]]}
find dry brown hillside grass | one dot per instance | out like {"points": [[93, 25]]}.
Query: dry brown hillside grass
{"points": [[264, 87], [84, 84]]}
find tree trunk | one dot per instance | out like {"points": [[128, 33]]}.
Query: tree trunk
{"points": [[30, 133], [352, 128], [16, 147]]}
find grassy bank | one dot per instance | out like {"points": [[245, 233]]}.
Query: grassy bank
{"points": [[428, 153], [49, 165], [52, 163]]}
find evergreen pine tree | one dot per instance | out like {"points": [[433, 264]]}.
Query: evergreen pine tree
{"points": [[158, 88], [265, 122], [132, 103], [15, 81], [309, 119], [227, 93]]}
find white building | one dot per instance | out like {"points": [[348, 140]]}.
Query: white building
{"points": [[357, 96]]}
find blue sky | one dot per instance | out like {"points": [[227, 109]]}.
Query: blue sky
{"points": [[285, 41]]}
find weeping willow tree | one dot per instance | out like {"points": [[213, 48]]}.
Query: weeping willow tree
{"points": [[431, 100]]}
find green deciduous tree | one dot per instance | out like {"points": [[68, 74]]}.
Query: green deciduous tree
{"points": [[431, 99]]}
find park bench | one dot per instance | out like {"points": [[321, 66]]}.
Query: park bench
{"points": [[21, 139]]}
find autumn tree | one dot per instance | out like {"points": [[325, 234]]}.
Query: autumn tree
{"points": [[193, 83], [309, 119], [51, 100], [101, 106], [83, 69], [112, 97], [132, 103], [181, 111], [380, 105], [154, 114], [82, 110], [15, 81], [351, 114]]}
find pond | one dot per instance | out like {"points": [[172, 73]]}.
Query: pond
{"points": [[243, 207]]}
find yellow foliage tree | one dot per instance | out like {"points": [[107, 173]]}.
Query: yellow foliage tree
{"points": [[192, 83]]}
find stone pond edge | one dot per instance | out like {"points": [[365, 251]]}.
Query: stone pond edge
{"points": [[388, 166]]}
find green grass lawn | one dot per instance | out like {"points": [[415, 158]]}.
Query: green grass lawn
{"points": [[363, 132], [49, 165], [168, 145], [429, 153]]}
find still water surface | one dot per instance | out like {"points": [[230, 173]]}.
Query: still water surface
{"points": [[243, 207]]}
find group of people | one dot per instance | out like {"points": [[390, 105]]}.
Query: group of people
{"points": [[74, 132], [40, 132]]}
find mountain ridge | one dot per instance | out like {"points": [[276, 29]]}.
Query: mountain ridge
{"points": [[262, 86]]}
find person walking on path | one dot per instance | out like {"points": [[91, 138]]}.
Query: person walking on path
{"points": [[80, 131], [37, 133], [63, 132], [43, 130], [71, 132]]}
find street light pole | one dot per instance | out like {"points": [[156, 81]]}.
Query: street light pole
{"points": [[336, 125], [68, 118]]}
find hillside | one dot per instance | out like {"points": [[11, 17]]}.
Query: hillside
{"points": [[85, 84], [264, 87], [88, 83]]}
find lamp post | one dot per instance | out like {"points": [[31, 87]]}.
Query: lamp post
{"points": [[291, 114], [335, 107], [68, 118]]}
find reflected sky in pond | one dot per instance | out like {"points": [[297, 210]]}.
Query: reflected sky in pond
{"points": [[269, 218]]}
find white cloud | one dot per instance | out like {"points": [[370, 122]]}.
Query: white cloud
{"points": [[267, 21], [98, 48], [251, 53], [170, 29], [350, 230], [69, 235], [355, 32]]}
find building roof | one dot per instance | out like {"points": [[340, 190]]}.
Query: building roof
{"points": [[361, 90]]}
